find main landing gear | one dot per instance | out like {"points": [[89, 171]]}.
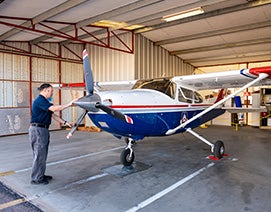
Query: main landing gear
{"points": [[127, 155], [217, 149]]}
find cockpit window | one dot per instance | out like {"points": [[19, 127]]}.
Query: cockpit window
{"points": [[189, 96], [163, 85], [198, 98]]}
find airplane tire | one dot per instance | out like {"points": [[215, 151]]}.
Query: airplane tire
{"points": [[124, 157], [219, 149]]}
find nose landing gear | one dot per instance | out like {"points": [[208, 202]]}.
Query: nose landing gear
{"points": [[127, 155]]}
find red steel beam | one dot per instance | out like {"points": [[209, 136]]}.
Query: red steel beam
{"points": [[57, 33]]}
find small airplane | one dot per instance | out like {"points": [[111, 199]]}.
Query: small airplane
{"points": [[161, 107]]}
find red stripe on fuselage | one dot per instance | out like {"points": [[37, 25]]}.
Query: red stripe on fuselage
{"points": [[159, 106]]}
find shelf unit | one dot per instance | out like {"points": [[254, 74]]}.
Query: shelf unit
{"points": [[262, 98]]}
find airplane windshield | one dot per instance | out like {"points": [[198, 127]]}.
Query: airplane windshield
{"points": [[163, 85]]}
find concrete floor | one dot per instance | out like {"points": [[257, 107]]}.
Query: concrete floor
{"points": [[170, 173]]}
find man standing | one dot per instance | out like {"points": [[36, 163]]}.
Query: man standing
{"points": [[42, 114]]}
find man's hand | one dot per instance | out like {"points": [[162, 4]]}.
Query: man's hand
{"points": [[69, 124], [71, 102]]}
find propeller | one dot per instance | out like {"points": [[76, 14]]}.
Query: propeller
{"points": [[92, 102], [76, 125], [114, 113], [88, 73]]}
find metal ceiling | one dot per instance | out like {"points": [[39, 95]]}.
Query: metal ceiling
{"points": [[229, 31]]}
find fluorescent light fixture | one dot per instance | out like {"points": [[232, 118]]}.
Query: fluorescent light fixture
{"points": [[183, 14]]}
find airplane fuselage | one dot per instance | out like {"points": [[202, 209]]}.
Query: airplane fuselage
{"points": [[152, 111]]}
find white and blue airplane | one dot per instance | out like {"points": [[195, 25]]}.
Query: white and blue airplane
{"points": [[163, 106]]}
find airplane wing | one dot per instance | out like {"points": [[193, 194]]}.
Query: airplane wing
{"points": [[101, 86], [116, 85], [257, 76], [228, 79]]}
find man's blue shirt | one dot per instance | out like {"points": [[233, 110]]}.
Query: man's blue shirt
{"points": [[40, 111]]}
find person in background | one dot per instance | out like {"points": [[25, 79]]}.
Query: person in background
{"points": [[39, 136]]}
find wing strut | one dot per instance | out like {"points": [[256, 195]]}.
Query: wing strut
{"points": [[200, 137], [261, 77]]}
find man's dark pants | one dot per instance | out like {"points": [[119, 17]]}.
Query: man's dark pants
{"points": [[39, 139]]}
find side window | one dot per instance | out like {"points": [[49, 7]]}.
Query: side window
{"points": [[189, 96], [185, 95], [198, 98]]}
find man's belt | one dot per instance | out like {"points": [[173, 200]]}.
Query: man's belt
{"points": [[39, 125]]}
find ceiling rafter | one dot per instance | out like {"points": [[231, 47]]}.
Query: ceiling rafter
{"points": [[158, 15], [215, 33], [228, 56], [154, 17], [20, 51], [214, 13], [214, 61], [59, 34], [222, 46], [43, 16], [103, 16]]}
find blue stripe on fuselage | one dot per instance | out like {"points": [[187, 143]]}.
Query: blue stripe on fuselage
{"points": [[149, 124]]}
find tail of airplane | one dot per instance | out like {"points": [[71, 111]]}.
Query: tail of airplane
{"points": [[222, 93]]}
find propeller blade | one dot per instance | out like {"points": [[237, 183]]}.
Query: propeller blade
{"points": [[76, 125], [88, 73], [114, 113]]}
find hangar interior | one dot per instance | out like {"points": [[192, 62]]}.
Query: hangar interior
{"points": [[127, 40], [42, 41]]}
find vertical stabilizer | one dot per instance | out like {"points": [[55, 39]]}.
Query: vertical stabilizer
{"points": [[222, 93]]}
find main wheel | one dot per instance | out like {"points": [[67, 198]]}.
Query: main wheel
{"points": [[125, 158], [219, 149]]}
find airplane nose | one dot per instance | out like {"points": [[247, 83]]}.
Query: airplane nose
{"points": [[88, 102]]}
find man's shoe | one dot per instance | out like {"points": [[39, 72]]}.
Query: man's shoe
{"points": [[43, 181], [47, 177]]}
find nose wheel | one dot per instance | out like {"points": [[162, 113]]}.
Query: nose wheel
{"points": [[127, 156]]}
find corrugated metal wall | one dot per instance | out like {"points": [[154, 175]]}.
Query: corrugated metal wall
{"points": [[110, 65], [153, 61], [14, 93]]}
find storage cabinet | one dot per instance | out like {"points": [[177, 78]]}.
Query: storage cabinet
{"points": [[265, 101]]}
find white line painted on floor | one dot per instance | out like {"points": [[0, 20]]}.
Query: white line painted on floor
{"points": [[169, 189], [95, 177], [72, 159]]}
